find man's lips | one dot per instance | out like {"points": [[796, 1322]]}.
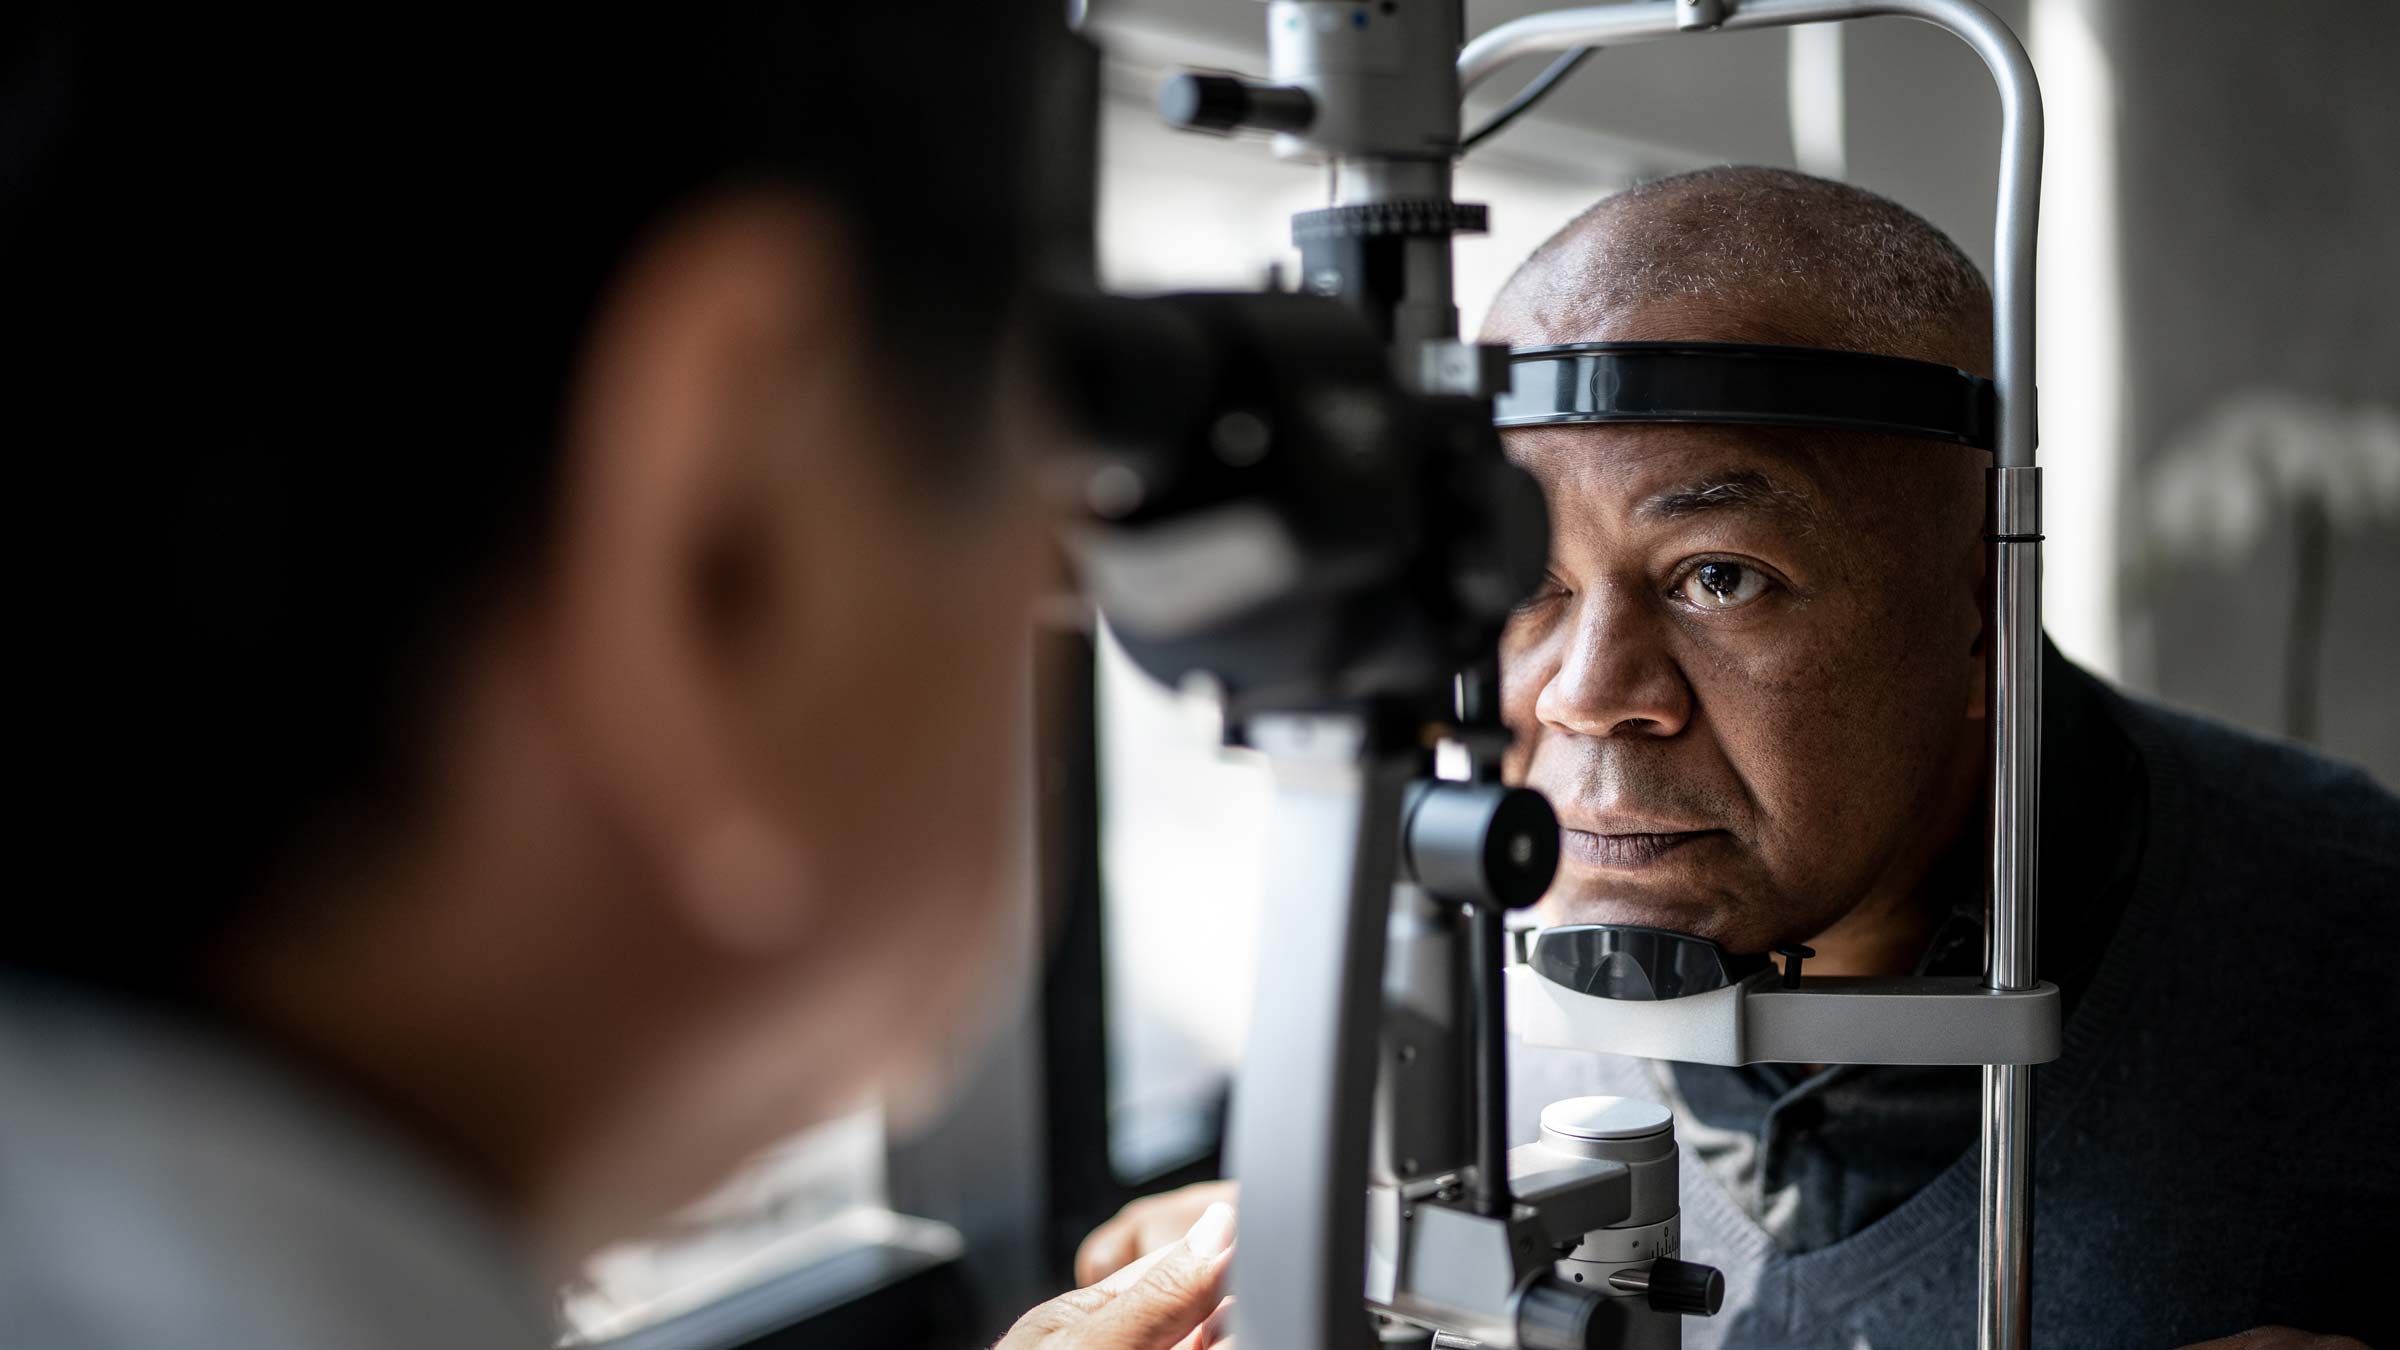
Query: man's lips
{"points": [[1626, 850]]}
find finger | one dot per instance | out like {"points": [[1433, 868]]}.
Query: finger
{"points": [[1164, 1218], [1176, 1290], [1130, 1274], [1220, 1324], [1038, 1327], [1144, 1226], [1166, 1228], [1217, 1332], [1107, 1248], [1076, 1309]]}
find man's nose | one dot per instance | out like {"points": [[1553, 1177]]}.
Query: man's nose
{"points": [[1617, 676]]}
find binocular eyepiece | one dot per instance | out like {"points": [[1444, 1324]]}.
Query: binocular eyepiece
{"points": [[1260, 498]]}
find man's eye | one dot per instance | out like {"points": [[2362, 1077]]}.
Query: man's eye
{"points": [[1723, 585], [1549, 589]]}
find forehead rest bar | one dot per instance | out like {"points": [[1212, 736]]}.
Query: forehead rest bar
{"points": [[1587, 382]]}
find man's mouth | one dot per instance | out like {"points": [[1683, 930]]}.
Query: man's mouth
{"points": [[1627, 851]]}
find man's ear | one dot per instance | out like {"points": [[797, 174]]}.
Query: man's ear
{"points": [[700, 347]]}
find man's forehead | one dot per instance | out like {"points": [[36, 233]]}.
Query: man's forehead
{"points": [[1553, 306], [1671, 470]]}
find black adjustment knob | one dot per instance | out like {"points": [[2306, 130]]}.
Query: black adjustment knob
{"points": [[1479, 843], [1555, 1315], [1221, 103], [1793, 954], [1685, 1287]]}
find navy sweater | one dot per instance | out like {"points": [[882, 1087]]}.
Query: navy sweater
{"points": [[2218, 1145]]}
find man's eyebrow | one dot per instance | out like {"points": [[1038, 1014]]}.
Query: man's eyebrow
{"points": [[1732, 490]]}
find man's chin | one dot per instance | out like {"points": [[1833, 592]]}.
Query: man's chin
{"points": [[1712, 919]]}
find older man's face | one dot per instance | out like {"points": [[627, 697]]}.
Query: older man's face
{"points": [[1750, 680]]}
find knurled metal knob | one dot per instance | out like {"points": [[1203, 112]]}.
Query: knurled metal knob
{"points": [[1686, 1287], [1426, 218]]}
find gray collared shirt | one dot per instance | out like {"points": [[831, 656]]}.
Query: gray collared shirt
{"points": [[164, 1187]]}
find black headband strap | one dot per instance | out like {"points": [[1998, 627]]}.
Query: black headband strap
{"points": [[1741, 382]]}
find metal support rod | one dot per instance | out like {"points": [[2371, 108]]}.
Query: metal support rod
{"points": [[2004, 1306], [1302, 1109], [1425, 311], [2005, 1254], [1486, 939], [2016, 660], [1478, 707], [2016, 704]]}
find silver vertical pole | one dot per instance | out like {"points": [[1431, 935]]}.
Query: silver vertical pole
{"points": [[2007, 1216]]}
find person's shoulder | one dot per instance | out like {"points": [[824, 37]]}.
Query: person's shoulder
{"points": [[158, 1174], [2270, 800]]}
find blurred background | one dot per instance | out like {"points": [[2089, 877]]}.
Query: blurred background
{"points": [[2220, 421]]}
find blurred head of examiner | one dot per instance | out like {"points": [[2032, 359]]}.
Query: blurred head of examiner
{"points": [[519, 660]]}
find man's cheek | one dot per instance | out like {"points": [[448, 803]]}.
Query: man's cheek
{"points": [[1783, 739], [1517, 757], [1823, 806], [1520, 685]]}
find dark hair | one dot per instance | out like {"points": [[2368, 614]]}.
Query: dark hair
{"points": [[300, 298]]}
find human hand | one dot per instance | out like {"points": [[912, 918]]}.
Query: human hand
{"points": [[1172, 1299], [2279, 1338], [1145, 1226]]}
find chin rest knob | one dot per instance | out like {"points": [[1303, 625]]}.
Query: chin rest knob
{"points": [[1675, 1286]]}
